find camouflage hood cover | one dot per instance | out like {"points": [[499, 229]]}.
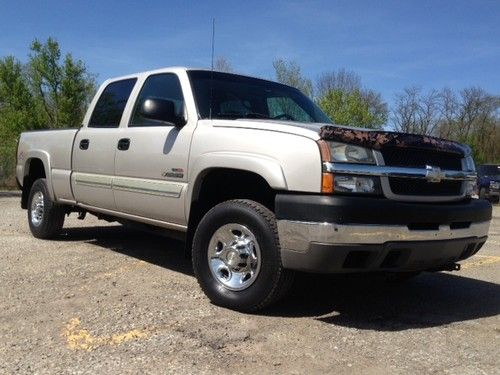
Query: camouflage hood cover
{"points": [[377, 139]]}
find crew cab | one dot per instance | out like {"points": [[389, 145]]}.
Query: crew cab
{"points": [[258, 182]]}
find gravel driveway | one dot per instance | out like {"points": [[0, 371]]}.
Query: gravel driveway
{"points": [[104, 299]]}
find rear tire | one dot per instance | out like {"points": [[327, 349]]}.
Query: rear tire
{"points": [[45, 217], [236, 256]]}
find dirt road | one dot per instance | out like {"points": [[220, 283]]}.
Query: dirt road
{"points": [[106, 300]]}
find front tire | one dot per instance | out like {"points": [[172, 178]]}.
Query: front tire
{"points": [[45, 217], [236, 256]]}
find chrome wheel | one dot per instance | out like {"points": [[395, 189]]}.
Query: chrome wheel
{"points": [[234, 256], [37, 208]]}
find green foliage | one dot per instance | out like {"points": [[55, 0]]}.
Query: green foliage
{"points": [[350, 108], [44, 93]]}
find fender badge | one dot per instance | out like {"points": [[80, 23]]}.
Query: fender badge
{"points": [[174, 173]]}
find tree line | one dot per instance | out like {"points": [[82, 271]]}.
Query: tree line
{"points": [[470, 115], [48, 91], [52, 91]]}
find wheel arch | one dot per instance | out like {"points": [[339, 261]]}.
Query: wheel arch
{"points": [[37, 165]]}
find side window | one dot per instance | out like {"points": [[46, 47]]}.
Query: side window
{"points": [[109, 108], [286, 108], [162, 86]]}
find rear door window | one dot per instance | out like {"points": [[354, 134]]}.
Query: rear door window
{"points": [[109, 108]]}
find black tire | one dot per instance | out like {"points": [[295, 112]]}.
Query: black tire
{"points": [[482, 193], [272, 281], [52, 218]]}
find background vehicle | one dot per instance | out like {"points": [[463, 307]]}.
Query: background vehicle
{"points": [[489, 182], [253, 176]]}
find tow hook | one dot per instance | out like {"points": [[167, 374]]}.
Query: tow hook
{"points": [[446, 267], [452, 267]]}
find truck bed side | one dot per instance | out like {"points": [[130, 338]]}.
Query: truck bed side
{"points": [[46, 154]]}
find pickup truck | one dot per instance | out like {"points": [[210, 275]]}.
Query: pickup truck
{"points": [[258, 182], [489, 182]]}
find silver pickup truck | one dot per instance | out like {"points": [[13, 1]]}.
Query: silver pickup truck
{"points": [[257, 181]]}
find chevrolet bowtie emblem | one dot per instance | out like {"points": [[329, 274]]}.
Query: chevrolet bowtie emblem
{"points": [[433, 174]]}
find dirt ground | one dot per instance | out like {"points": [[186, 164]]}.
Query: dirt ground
{"points": [[104, 299]]}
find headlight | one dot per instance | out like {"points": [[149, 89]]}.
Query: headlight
{"points": [[356, 184], [468, 164], [471, 189], [344, 153]]}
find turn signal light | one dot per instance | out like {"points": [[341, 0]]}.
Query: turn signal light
{"points": [[327, 183]]}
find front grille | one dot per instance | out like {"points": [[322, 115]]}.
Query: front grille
{"points": [[419, 158], [407, 186]]}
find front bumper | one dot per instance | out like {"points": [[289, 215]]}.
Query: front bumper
{"points": [[333, 234]]}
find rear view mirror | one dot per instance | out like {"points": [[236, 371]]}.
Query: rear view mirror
{"points": [[161, 110]]}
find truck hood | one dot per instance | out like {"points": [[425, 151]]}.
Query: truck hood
{"points": [[371, 138], [310, 130], [378, 139]]}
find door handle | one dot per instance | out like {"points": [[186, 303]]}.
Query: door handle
{"points": [[84, 144], [123, 144]]}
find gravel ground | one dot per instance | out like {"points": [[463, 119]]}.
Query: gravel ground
{"points": [[105, 300]]}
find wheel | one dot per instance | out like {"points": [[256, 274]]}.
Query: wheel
{"points": [[400, 277], [236, 256], [482, 193], [45, 217]]}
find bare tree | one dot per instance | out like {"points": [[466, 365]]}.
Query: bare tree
{"points": [[289, 73], [471, 116], [343, 80], [405, 112], [222, 64]]}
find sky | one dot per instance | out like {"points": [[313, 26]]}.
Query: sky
{"points": [[390, 44]]}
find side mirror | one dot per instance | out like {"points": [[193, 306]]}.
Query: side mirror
{"points": [[161, 110]]}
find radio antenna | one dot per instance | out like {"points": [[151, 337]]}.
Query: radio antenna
{"points": [[212, 67]]}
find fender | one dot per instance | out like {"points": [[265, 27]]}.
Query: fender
{"points": [[45, 158], [268, 168]]}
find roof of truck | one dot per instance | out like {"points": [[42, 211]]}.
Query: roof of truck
{"points": [[176, 69]]}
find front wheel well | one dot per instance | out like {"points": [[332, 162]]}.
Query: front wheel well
{"points": [[221, 184], [36, 170]]}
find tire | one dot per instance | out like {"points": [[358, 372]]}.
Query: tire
{"points": [[482, 193], [240, 231], [48, 221]]}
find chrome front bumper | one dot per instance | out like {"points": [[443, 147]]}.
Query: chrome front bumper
{"points": [[298, 235], [336, 248]]}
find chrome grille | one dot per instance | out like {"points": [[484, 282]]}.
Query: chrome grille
{"points": [[401, 188]]}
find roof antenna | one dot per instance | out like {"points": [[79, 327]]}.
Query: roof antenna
{"points": [[212, 68]]}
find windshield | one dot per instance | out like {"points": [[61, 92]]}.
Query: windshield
{"points": [[489, 170], [233, 96]]}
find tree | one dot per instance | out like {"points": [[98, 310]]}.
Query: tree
{"points": [[221, 64], [62, 90], [44, 93], [365, 106], [343, 80], [289, 73], [349, 108], [470, 116], [417, 113]]}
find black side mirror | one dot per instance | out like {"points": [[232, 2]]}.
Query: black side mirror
{"points": [[161, 110]]}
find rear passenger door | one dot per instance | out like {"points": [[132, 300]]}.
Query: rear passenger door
{"points": [[151, 170], [95, 147]]}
